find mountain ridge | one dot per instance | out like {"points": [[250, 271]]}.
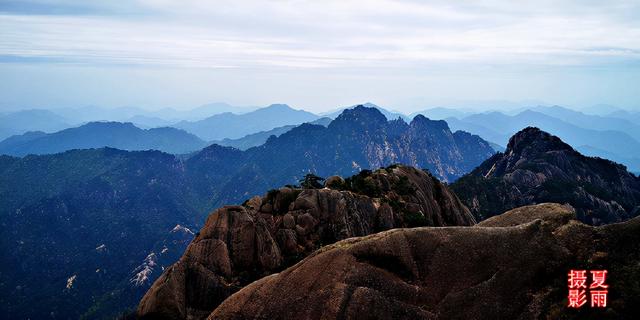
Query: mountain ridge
{"points": [[125, 136], [539, 167], [234, 126], [609, 141]]}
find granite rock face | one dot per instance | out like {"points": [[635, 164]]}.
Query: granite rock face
{"points": [[512, 266], [240, 244], [538, 167]]}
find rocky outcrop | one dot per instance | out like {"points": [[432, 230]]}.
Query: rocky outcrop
{"points": [[538, 167], [240, 244], [512, 266]]}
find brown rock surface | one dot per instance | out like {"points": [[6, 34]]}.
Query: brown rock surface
{"points": [[513, 266], [240, 244]]}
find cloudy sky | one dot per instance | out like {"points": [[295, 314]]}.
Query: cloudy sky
{"points": [[319, 55]]}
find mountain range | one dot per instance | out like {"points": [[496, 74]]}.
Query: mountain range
{"points": [[614, 138], [59, 210], [605, 131], [154, 118], [124, 136], [19, 122], [259, 138], [55, 119], [232, 126]]}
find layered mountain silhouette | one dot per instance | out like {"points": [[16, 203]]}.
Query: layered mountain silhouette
{"points": [[596, 122], [20, 122], [232, 126], [125, 136], [240, 244], [627, 115], [362, 138], [609, 137], [512, 266], [259, 138], [538, 167], [58, 209]]}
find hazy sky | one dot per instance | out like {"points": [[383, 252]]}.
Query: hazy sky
{"points": [[318, 55]]}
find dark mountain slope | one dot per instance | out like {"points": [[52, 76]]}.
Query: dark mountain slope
{"points": [[76, 226], [514, 266], [124, 136], [538, 167], [240, 244], [595, 122], [259, 138]]}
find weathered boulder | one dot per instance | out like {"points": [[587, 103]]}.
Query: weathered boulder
{"points": [[513, 266], [334, 182]]}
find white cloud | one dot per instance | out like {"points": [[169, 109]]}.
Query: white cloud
{"points": [[320, 53], [332, 34]]}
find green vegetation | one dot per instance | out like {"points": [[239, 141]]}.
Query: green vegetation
{"points": [[403, 186], [415, 219], [390, 168], [337, 185], [311, 181], [363, 183]]}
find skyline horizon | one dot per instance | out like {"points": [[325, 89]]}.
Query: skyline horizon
{"points": [[470, 106]]}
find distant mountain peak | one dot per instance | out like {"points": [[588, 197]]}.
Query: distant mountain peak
{"points": [[422, 121], [97, 134], [279, 106], [366, 116], [532, 139]]}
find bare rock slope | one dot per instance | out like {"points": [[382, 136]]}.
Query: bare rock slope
{"points": [[512, 266], [240, 244]]}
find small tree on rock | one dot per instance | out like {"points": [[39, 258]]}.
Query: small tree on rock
{"points": [[311, 181]]}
